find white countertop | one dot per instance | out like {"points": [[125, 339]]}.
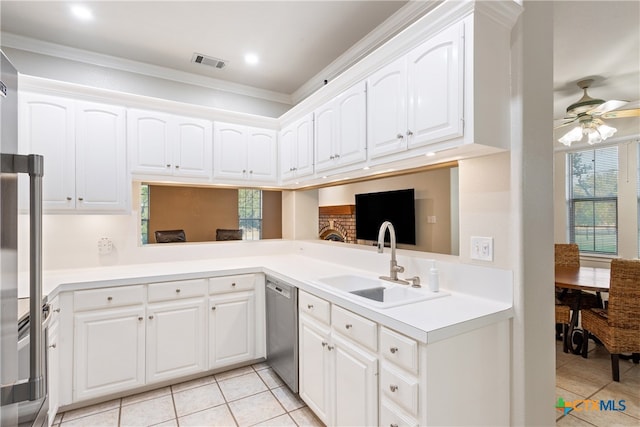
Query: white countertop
{"points": [[426, 321]]}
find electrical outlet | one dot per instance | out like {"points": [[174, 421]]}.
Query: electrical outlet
{"points": [[482, 248], [105, 246]]}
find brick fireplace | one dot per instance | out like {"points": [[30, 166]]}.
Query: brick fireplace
{"points": [[337, 223]]}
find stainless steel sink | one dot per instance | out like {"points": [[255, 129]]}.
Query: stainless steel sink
{"points": [[379, 293]]}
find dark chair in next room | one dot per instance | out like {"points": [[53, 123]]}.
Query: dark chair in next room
{"points": [[170, 236], [228, 234]]}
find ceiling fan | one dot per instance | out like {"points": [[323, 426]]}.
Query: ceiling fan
{"points": [[587, 115]]}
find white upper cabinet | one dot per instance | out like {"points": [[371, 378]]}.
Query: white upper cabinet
{"points": [[435, 82], [387, 109], [296, 149], [84, 149], [165, 144], [244, 153], [418, 99], [340, 130]]}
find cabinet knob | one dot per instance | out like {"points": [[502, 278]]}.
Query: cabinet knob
{"points": [[69, 198], [409, 133], [295, 169], [233, 285], [250, 171], [310, 306], [151, 317], [337, 156], [140, 318], [330, 347], [178, 291], [52, 345], [168, 165], [213, 308], [81, 198], [244, 171], [393, 388], [400, 136], [177, 166], [332, 157], [393, 425], [324, 344], [393, 350], [109, 298], [348, 326]]}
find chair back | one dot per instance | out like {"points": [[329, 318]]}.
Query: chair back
{"points": [[624, 294], [228, 234], [567, 255], [170, 236]]}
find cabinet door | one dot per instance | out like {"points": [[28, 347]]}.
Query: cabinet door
{"points": [[47, 127], [230, 151], [352, 126], [262, 155], [387, 109], [314, 368], [304, 146], [193, 147], [356, 384], [175, 339], [286, 153], [231, 328], [435, 78], [149, 139], [53, 368], [109, 351], [100, 157], [325, 136]]}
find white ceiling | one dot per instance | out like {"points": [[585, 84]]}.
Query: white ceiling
{"points": [[296, 40]]}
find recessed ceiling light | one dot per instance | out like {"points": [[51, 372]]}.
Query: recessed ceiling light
{"points": [[251, 58], [430, 154], [83, 13]]}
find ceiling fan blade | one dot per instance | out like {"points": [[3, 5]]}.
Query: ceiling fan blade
{"points": [[607, 106], [634, 112], [563, 122]]}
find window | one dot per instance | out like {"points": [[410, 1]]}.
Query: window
{"points": [[593, 200], [250, 213], [144, 213]]}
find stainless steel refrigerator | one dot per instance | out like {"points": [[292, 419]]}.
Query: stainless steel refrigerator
{"points": [[23, 364]]}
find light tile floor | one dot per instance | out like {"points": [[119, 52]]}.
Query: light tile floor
{"points": [[590, 379], [253, 395]]}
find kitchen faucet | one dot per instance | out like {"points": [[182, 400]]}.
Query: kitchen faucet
{"points": [[394, 268]]}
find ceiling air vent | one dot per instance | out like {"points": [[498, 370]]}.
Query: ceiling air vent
{"points": [[209, 61]]}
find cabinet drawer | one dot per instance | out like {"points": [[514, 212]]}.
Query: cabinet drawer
{"points": [[401, 350], [400, 389], [356, 327], [108, 297], [391, 417], [314, 306], [177, 290], [245, 282]]}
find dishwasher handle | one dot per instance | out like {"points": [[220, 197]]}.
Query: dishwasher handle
{"points": [[284, 291]]}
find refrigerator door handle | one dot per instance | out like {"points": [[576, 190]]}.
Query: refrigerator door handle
{"points": [[35, 387]]}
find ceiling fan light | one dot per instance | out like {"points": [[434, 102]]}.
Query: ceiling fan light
{"points": [[573, 135], [594, 137], [606, 131]]}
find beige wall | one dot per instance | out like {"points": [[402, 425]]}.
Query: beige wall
{"points": [[271, 214], [433, 198], [198, 211]]}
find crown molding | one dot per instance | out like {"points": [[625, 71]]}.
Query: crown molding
{"points": [[79, 55], [405, 16]]}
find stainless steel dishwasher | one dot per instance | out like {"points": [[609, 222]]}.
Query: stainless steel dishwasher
{"points": [[282, 330]]}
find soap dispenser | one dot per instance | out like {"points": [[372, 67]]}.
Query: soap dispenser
{"points": [[434, 278]]}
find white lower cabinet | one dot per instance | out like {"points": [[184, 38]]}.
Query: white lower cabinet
{"points": [[172, 326], [53, 359], [231, 328], [109, 351], [338, 377]]}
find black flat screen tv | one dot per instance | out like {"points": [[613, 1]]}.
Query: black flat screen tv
{"points": [[372, 209]]}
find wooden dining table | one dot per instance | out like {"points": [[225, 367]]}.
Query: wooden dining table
{"points": [[594, 279]]}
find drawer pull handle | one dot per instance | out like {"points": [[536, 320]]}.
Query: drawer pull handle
{"points": [[393, 388], [151, 317], [310, 306], [109, 298], [52, 345], [393, 425], [393, 350], [177, 291], [348, 326]]}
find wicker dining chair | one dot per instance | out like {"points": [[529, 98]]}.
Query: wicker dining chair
{"points": [[617, 327], [563, 317], [568, 255]]}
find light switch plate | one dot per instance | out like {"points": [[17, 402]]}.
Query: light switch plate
{"points": [[482, 248]]}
